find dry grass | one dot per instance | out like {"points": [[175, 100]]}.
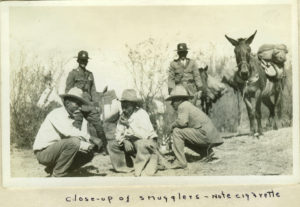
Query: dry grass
{"points": [[270, 155]]}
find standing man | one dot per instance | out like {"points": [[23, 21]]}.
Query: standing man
{"points": [[184, 71], [83, 79], [135, 145], [59, 145], [192, 128]]}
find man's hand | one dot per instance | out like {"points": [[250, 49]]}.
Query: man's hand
{"points": [[96, 141], [128, 146], [173, 125], [91, 148], [124, 121]]}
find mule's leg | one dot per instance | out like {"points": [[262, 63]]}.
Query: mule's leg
{"points": [[258, 112], [209, 107], [270, 105], [239, 108], [251, 115], [277, 106]]}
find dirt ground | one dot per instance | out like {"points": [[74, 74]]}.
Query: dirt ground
{"points": [[243, 155]]}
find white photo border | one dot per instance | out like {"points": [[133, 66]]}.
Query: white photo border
{"points": [[8, 181]]}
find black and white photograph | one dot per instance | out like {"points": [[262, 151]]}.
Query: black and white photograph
{"points": [[140, 94]]}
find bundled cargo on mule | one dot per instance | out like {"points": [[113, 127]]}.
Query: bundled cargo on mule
{"points": [[272, 58]]}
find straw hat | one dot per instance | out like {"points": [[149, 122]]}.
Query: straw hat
{"points": [[76, 93], [178, 92], [130, 95]]}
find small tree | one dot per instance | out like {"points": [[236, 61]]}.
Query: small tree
{"points": [[148, 65], [27, 82]]}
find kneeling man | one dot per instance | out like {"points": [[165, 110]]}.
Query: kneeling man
{"points": [[59, 145], [192, 128], [135, 145]]}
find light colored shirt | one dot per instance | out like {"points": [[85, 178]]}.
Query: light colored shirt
{"points": [[59, 125], [183, 62], [140, 127]]}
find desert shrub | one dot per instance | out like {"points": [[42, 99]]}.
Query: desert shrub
{"points": [[27, 82]]}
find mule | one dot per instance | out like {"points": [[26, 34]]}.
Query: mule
{"points": [[212, 90], [254, 86]]}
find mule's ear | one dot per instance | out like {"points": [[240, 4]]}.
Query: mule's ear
{"points": [[232, 41], [105, 89], [206, 67], [250, 39]]}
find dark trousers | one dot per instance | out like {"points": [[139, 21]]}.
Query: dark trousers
{"points": [[95, 125], [63, 156]]}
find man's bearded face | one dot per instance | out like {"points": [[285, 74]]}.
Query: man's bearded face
{"points": [[72, 104], [128, 107]]}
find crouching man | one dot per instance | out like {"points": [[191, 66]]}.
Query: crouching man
{"points": [[192, 129], [59, 145], [135, 145]]}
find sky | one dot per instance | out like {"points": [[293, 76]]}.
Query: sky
{"points": [[104, 30]]}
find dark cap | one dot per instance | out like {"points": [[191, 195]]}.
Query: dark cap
{"points": [[182, 47], [83, 55]]}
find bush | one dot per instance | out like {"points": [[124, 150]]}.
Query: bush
{"points": [[26, 85]]}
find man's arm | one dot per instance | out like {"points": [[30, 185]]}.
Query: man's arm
{"points": [[69, 82], [93, 89], [171, 78], [182, 118], [65, 129]]}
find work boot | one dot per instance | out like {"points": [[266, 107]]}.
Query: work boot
{"points": [[98, 142], [49, 170], [177, 165]]}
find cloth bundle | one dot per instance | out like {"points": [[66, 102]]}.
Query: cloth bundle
{"points": [[273, 53], [216, 89], [272, 59], [110, 105]]}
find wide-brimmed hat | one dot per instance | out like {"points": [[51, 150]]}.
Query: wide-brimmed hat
{"points": [[182, 47], [178, 92], [76, 93], [130, 95], [82, 55]]}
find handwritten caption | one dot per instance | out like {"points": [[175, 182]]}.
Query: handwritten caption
{"points": [[76, 198]]}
